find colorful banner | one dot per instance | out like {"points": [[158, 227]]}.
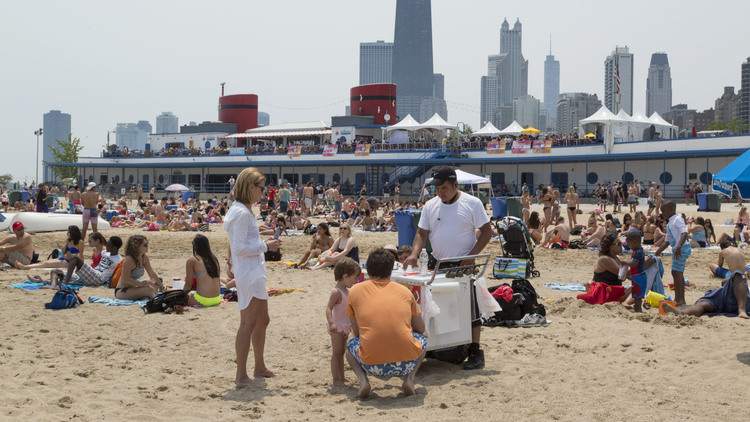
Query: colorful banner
{"points": [[294, 151], [496, 147], [363, 150], [330, 150], [542, 147], [520, 147]]}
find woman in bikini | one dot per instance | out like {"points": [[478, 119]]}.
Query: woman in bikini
{"points": [[546, 199], [660, 232], [321, 241], [74, 246], [135, 264], [526, 206], [648, 231], [710, 232], [607, 269], [203, 267], [345, 245], [573, 203], [698, 233], [535, 227]]}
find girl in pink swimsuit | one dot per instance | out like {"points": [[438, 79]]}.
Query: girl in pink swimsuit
{"points": [[346, 273]]}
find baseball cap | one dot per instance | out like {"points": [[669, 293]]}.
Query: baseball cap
{"points": [[442, 175], [17, 225], [91, 186]]}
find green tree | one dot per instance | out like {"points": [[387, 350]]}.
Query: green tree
{"points": [[736, 126], [66, 152], [5, 179]]}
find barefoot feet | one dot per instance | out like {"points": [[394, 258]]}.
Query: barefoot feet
{"points": [[670, 309], [245, 382], [265, 373], [364, 389]]}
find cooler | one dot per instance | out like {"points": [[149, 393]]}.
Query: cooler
{"points": [[451, 326]]}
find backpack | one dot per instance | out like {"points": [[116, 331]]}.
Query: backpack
{"points": [[165, 302], [530, 303], [64, 298], [116, 275], [273, 256], [511, 309]]}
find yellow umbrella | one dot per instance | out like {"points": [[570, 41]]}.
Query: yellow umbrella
{"points": [[530, 130], [590, 135]]}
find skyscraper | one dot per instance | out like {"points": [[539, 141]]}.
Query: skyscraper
{"points": [[659, 85], [375, 62], [56, 127], [727, 106], [745, 92], [133, 135], [551, 87], [575, 106], [526, 111], [618, 81], [412, 61], [167, 123]]}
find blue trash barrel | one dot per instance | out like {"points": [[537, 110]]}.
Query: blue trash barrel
{"points": [[186, 195], [110, 214], [499, 207], [406, 228], [702, 202], [25, 196]]}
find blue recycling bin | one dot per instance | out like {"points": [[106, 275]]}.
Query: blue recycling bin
{"points": [[406, 227], [499, 207], [186, 195], [702, 202], [110, 214], [25, 196], [171, 207]]}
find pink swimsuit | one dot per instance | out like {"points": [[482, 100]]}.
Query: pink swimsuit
{"points": [[339, 313]]}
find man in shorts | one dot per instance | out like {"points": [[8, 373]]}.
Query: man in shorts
{"points": [[17, 247], [451, 220], [307, 199], [90, 200], [100, 275], [386, 326], [676, 238]]}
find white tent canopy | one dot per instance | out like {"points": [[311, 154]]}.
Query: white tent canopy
{"points": [[465, 178], [512, 129], [488, 130], [664, 128], [407, 123], [436, 122], [604, 117]]}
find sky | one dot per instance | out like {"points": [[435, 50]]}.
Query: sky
{"points": [[107, 63]]}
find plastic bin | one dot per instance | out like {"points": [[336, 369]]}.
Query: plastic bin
{"points": [[186, 195], [407, 222], [714, 202], [110, 214], [25, 196], [499, 207], [702, 202], [515, 209]]}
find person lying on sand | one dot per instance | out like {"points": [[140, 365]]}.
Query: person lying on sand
{"points": [[731, 298]]}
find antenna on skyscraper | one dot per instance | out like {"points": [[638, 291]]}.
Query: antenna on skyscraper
{"points": [[550, 43]]}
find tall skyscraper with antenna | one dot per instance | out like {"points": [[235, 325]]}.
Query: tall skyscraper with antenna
{"points": [[659, 85], [551, 85]]}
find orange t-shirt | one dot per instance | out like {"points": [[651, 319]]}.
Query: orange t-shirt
{"points": [[383, 311]]}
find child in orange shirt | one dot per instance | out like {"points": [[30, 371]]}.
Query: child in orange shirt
{"points": [[346, 273]]}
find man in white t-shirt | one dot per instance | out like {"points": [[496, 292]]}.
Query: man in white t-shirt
{"points": [[451, 220], [677, 238], [103, 272]]}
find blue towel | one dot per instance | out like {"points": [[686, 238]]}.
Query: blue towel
{"points": [[27, 285], [116, 302], [571, 287]]}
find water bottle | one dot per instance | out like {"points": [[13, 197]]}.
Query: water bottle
{"points": [[423, 262]]}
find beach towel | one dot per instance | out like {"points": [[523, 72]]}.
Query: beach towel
{"points": [[600, 293], [27, 285], [277, 292], [723, 300], [654, 276], [116, 302], [571, 287]]}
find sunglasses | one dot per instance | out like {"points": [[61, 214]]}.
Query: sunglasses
{"points": [[343, 228]]}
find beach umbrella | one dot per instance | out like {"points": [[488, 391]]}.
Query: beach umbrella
{"points": [[177, 188], [589, 135], [530, 130], [69, 180], [736, 175]]}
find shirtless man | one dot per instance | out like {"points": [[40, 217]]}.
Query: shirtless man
{"points": [[17, 247], [651, 198], [74, 197], [596, 235], [731, 297], [90, 200], [160, 212], [307, 199], [561, 230]]}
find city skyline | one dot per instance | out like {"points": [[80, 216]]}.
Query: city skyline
{"points": [[92, 82]]}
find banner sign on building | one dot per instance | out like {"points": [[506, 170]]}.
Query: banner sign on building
{"points": [[542, 147], [330, 150], [363, 150], [236, 151], [496, 147], [294, 151], [520, 147]]}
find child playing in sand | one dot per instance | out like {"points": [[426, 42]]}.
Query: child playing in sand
{"points": [[637, 269], [345, 272]]}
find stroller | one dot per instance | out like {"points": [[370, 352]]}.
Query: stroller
{"points": [[517, 242]]}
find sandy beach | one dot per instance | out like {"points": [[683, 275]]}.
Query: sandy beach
{"points": [[600, 362]]}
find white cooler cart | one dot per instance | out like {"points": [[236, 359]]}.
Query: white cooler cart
{"points": [[452, 290]]}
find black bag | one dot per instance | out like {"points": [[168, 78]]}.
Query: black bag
{"points": [[577, 244], [577, 230], [164, 302], [273, 255], [530, 304], [454, 355], [511, 311]]}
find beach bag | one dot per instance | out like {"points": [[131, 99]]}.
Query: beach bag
{"points": [[230, 295], [64, 299], [454, 355], [530, 303], [55, 254], [510, 304], [116, 275], [273, 255], [577, 244], [165, 302], [509, 267]]}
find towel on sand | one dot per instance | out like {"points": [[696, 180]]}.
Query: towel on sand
{"points": [[27, 285], [116, 302], [571, 287]]}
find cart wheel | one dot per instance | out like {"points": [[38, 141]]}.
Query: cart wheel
{"points": [[535, 273]]}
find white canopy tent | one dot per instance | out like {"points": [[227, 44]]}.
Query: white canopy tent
{"points": [[466, 178], [605, 119], [436, 122], [663, 127], [407, 123], [513, 129], [488, 130], [639, 124]]}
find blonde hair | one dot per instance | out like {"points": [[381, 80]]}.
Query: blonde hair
{"points": [[348, 229], [243, 188], [571, 189]]}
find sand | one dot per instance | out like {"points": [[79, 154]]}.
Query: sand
{"points": [[592, 363]]}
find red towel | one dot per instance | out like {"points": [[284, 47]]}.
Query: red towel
{"points": [[600, 293], [504, 292]]}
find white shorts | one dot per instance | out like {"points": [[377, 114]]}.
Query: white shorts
{"points": [[308, 202], [248, 289]]}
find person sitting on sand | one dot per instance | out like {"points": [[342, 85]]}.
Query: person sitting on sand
{"points": [[134, 266], [731, 298], [338, 325], [596, 231], [321, 241], [98, 243], [17, 248], [535, 227], [698, 233], [607, 269], [74, 246], [92, 276], [559, 237], [717, 269], [204, 268], [386, 325], [345, 245]]}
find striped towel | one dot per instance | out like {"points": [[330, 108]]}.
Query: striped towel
{"points": [[571, 287], [116, 302]]}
